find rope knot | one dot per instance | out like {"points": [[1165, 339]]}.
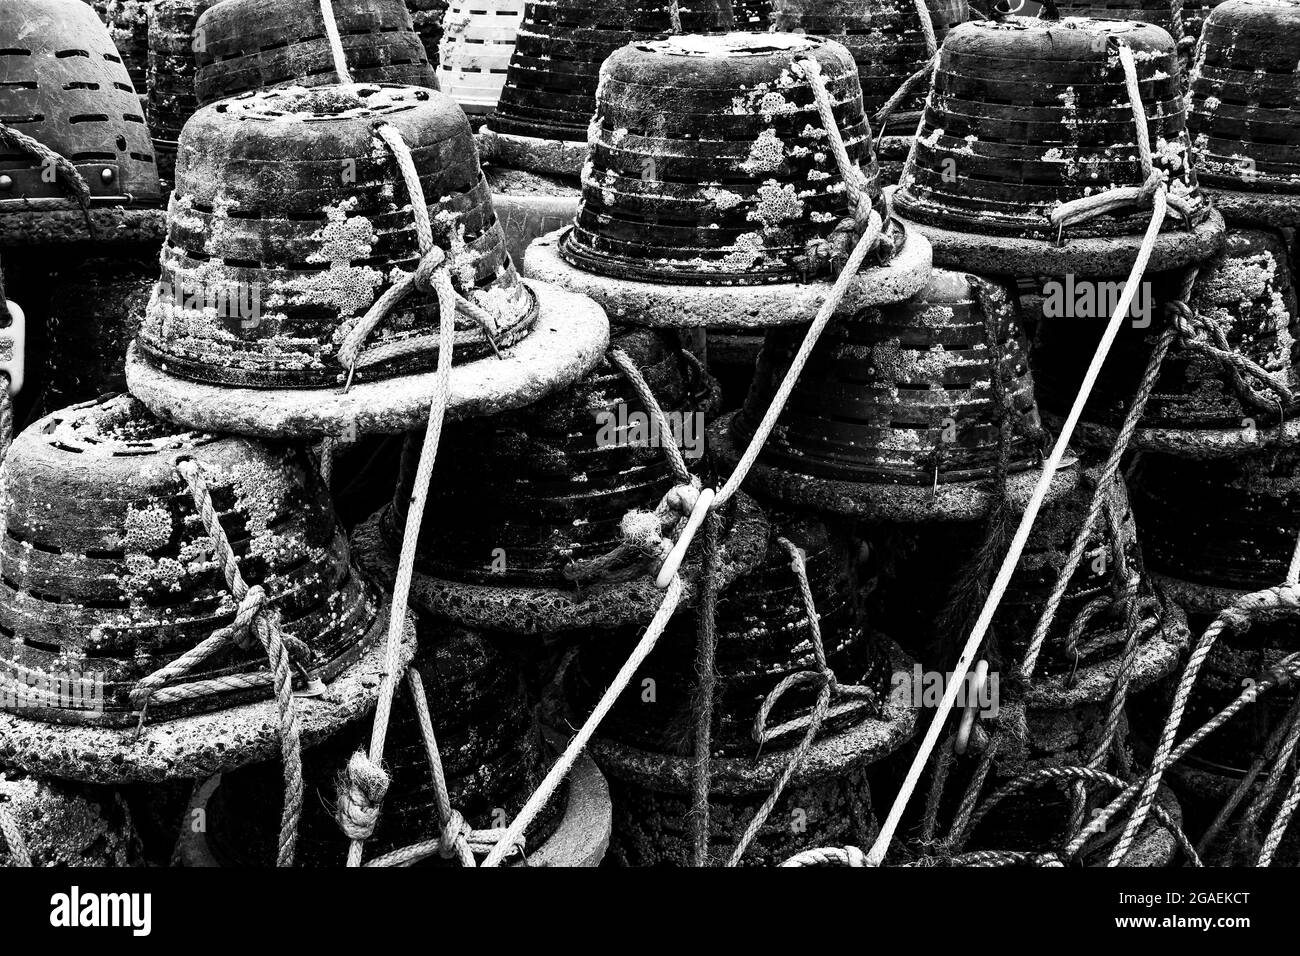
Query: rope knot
{"points": [[1147, 191], [361, 792], [454, 829], [250, 606], [432, 261]]}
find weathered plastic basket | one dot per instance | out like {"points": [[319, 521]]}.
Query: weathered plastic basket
{"points": [[477, 40], [62, 83], [1024, 115]]}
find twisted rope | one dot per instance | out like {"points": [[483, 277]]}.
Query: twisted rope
{"points": [[706, 683], [1238, 616], [1090, 207], [63, 168], [266, 625], [1290, 725], [903, 92], [456, 839], [1198, 333]]}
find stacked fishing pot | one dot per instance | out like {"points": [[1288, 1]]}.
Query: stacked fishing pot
{"points": [[248, 45], [125, 661], [493, 756], [536, 140], [173, 46], [528, 506], [715, 201], [1214, 494], [78, 180], [889, 43], [266, 324], [475, 51], [1027, 147], [65, 91]]}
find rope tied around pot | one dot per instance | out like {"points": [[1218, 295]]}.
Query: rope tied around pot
{"points": [[1203, 334], [704, 513], [432, 275], [827, 689], [252, 616], [364, 784], [1153, 185]]}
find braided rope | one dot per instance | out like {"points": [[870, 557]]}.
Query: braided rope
{"points": [[266, 625], [335, 42]]}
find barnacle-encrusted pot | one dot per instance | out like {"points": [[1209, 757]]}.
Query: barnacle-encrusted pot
{"points": [[477, 41], [1196, 408], [1182, 21], [246, 45], [492, 753], [899, 411], [709, 162], [289, 219], [109, 576], [888, 45], [712, 196], [829, 799], [1242, 111], [66, 824], [519, 497], [171, 100], [63, 84], [1214, 530], [537, 137], [1024, 115], [763, 638], [550, 91]]}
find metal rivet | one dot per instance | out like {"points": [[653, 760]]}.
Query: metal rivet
{"points": [[6, 182], [106, 175]]}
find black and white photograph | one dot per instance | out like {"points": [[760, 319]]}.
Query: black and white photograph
{"points": [[648, 435]]}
